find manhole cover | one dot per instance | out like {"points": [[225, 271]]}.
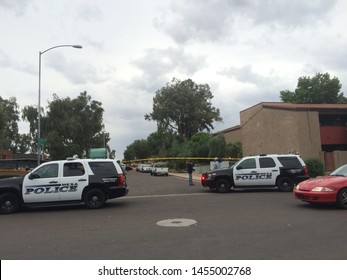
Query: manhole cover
{"points": [[176, 223]]}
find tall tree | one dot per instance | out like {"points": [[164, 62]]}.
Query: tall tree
{"points": [[316, 90], [74, 124], [3, 121], [199, 144], [137, 150], [10, 134], [184, 107], [71, 126], [29, 114]]}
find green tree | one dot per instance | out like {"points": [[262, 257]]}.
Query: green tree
{"points": [[234, 150], [316, 90], [137, 150], [160, 142], [29, 114], [217, 146], [72, 126], [184, 107], [77, 122], [199, 144], [3, 121], [10, 110], [24, 144]]}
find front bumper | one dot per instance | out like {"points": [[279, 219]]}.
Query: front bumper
{"points": [[319, 197], [207, 183]]}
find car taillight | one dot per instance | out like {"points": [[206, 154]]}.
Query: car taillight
{"points": [[121, 181], [203, 177], [305, 170]]}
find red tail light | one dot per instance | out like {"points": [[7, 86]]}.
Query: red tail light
{"points": [[121, 181], [305, 170]]}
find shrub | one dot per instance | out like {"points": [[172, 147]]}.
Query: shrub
{"points": [[315, 167]]}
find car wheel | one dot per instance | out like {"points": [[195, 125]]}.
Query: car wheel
{"points": [[223, 185], [342, 199], [94, 198], [285, 184], [9, 203]]}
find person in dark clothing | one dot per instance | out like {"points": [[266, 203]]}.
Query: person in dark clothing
{"points": [[190, 169]]}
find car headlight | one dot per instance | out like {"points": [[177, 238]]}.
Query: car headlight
{"points": [[210, 175], [322, 189], [297, 187]]}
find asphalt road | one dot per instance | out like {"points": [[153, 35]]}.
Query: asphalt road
{"points": [[263, 225]]}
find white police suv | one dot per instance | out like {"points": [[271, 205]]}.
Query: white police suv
{"points": [[280, 172], [88, 181]]}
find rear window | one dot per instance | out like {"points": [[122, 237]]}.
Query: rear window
{"points": [[103, 168], [290, 162]]}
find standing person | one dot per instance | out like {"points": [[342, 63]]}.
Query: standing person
{"points": [[216, 163], [190, 169]]}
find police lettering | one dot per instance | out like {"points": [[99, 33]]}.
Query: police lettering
{"points": [[52, 189], [254, 176]]}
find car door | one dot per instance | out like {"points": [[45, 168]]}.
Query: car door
{"points": [[268, 171], [42, 185], [244, 172], [73, 181], [253, 172]]}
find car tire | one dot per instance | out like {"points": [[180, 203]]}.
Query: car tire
{"points": [[285, 184], [9, 203], [94, 198], [342, 199], [223, 185]]}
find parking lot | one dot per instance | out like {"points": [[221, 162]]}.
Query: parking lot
{"points": [[163, 218]]}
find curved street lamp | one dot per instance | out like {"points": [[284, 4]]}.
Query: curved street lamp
{"points": [[39, 99]]}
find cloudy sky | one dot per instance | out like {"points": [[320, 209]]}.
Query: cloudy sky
{"points": [[246, 50]]}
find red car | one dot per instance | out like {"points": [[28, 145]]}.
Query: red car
{"points": [[325, 189]]}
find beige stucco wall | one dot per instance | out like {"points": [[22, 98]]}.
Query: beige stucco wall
{"points": [[340, 158], [233, 136], [268, 130], [308, 140]]}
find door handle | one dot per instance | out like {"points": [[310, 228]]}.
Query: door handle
{"points": [[274, 170], [82, 180], [53, 182]]}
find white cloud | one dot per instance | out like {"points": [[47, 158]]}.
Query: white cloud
{"points": [[18, 7], [246, 50]]}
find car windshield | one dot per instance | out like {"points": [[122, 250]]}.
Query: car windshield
{"points": [[341, 171]]}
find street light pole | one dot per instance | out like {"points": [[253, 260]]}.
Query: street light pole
{"points": [[39, 99]]}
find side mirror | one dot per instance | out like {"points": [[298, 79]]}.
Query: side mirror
{"points": [[33, 176]]}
